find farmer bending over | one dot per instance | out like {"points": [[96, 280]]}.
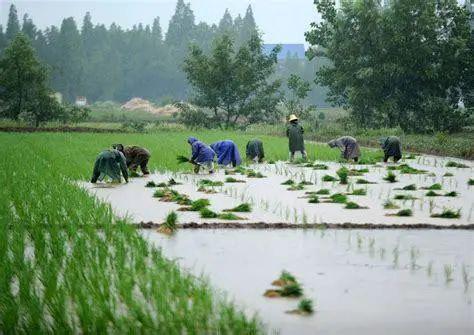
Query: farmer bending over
{"points": [[202, 156], [391, 147], [135, 157], [227, 153], [348, 146], [110, 163], [294, 132], [254, 151]]}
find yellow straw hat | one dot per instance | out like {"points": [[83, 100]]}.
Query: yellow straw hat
{"points": [[292, 117]]}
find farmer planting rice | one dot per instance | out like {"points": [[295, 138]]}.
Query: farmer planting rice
{"points": [[202, 156], [254, 150], [135, 156], [348, 146], [227, 153], [391, 147], [294, 132], [110, 163]]}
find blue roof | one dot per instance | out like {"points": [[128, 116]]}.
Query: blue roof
{"points": [[292, 49]]}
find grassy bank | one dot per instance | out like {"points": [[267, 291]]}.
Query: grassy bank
{"points": [[59, 273]]}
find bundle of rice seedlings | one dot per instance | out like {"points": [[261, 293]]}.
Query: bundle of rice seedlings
{"points": [[390, 177], [323, 191], [314, 199], [229, 216], [343, 174], [411, 187], [291, 290], [285, 278], [162, 184], [206, 190], [320, 167], [288, 182], [182, 159], [305, 306], [390, 205], [448, 174], [404, 197], [447, 214], [359, 191], [253, 174], [169, 226], [364, 181], [434, 187], [407, 169], [305, 182], [233, 180], [151, 183], [470, 182], [296, 187], [358, 172], [456, 165], [172, 182], [353, 205], [160, 193], [338, 198], [208, 182], [199, 204], [432, 193], [404, 212], [206, 213], [229, 172], [245, 207], [329, 178], [451, 194]]}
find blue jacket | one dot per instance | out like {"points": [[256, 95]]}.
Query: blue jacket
{"points": [[227, 152], [201, 152]]}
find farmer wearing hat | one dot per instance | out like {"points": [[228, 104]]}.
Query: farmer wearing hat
{"points": [[294, 132], [109, 163], [391, 147], [135, 156]]}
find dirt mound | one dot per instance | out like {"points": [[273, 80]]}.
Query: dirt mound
{"points": [[145, 105]]}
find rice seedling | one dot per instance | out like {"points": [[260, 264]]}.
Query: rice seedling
{"points": [[388, 204], [343, 174], [182, 159], [338, 198], [371, 246], [448, 174], [288, 182], [306, 183], [364, 181], [404, 197], [448, 273], [390, 177], [328, 178], [359, 242], [396, 256], [429, 269], [170, 224], [206, 213], [466, 278], [296, 187], [253, 174], [292, 290], [406, 169], [230, 217], [320, 167], [353, 205], [447, 214], [211, 183], [411, 187], [451, 194], [456, 165], [414, 254], [434, 187], [323, 191], [358, 172], [172, 182], [245, 207], [382, 252], [230, 172], [151, 183], [359, 191], [285, 278], [305, 306], [470, 182], [233, 180], [206, 190], [199, 204], [402, 212], [313, 199], [432, 193]]}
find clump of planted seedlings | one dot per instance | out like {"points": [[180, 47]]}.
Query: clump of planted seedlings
{"points": [[196, 205], [329, 178], [432, 193], [434, 187], [289, 287], [245, 207], [411, 187], [404, 197], [364, 181], [305, 307], [206, 190], [358, 172], [451, 194], [456, 165], [288, 182], [151, 183], [354, 205], [406, 169], [313, 199], [448, 174], [338, 198], [233, 180], [320, 167], [447, 214], [390, 177], [170, 224], [388, 204], [206, 213], [470, 182], [343, 174], [169, 195], [211, 183], [403, 212], [229, 216], [358, 191], [253, 174]]}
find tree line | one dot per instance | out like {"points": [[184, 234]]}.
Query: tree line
{"points": [[408, 64]]}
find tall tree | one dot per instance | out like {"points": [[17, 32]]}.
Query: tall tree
{"points": [[248, 27], [181, 29], [28, 28], [13, 25], [226, 24]]}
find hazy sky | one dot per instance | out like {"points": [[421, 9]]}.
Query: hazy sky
{"points": [[280, 21]]}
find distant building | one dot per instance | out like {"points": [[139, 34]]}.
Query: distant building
{"points": [[81, 101], [293, 50]]}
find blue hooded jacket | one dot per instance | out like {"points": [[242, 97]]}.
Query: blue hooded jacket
{"points": [[227, 152], [201, 152]]}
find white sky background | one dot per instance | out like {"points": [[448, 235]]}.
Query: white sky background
{"points": [[280, 21]]}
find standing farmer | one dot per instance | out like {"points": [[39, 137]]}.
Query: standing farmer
{"points": [[110, 163], [254, 150], [391, 147], [135, 156], [227, 153], [294, 132], [201, 155], [348, 146]]}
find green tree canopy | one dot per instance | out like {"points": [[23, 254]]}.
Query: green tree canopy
{"points": [[13, 25]]}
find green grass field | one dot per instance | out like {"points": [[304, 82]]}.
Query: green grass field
{"points": [[68, 265]]}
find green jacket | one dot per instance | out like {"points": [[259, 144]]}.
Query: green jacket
{"points": [[110, 163], [295, 132]]}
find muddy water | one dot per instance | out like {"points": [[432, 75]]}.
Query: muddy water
{"points": [[272, 202], [357, 288]]}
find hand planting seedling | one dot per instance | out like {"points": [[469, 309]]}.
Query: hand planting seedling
{"points": [[456, 165], [233, 180], [390, 177], [364, 181], [169, 226], [447, 214], [434, 187], [245, 207], [353, 205], [328, 178], [211, 183], [343, 174], [320, 167]]}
